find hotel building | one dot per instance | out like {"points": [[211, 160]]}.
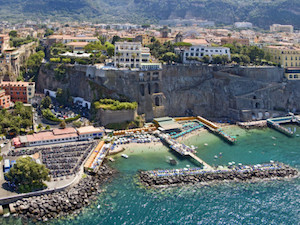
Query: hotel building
{"points": [[288, 57], [19, 91]]}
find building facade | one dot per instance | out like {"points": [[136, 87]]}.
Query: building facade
{"points": [[200, 51], [288, 57], [4, 43], [130, 54], [4, 100], [19, 91], [229, 40], [282, 28]]}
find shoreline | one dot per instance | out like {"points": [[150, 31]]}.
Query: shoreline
{"points": [[66, 202]]}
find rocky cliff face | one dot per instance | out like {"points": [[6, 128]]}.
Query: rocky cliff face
{"points": [[213, 92]]}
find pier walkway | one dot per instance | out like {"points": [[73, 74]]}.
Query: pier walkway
{"points": [[206, 166], [276, 123], [210, 126], [182, 149], [216, 129]]}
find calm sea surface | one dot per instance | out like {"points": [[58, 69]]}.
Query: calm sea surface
{"points": [[124, 201]]}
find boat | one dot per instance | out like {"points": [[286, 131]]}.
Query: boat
{"points": [[111, 159], [124, 156], [172, 161], [205, 144], [215, 156]]}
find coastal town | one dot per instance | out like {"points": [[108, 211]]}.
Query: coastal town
{"points": [[77, 97]]}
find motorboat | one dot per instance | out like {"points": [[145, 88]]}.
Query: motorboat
{"points": [[172, 161], [111, 159], [125, 156]]}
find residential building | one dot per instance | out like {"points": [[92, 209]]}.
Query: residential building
{"points": [[19, 91], [282, 28], [242, 25], [77, 47], [143, 38], [130, 54], [230, 40], [4, 100], [4, 43], [200, 51], [288, 57], [52, 39]]}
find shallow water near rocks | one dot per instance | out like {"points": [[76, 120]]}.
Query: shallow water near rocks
{"points": [[125, 201]]}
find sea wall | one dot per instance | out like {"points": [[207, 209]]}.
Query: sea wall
{"points": [[108, 116], [176, 177]]}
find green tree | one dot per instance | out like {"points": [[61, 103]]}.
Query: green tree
{"points": [[62, 124], [13, 33], [46, 102], [77, 124], [115, 39], [48, 32], [236, 58], [205, 59], [216, 59], [28, 175], [182, 45], [169, 57], [110, 49]]}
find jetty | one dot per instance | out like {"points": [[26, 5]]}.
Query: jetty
{"points": [[275, 123], [230, 173], [253, 124], [182, 149], [211, 127]]}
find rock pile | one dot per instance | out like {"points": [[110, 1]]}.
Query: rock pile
{"points": [[233, 175], [49, 206]]}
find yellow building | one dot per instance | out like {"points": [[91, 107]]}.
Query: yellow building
{"points": [[145, 39], [288, 57]]}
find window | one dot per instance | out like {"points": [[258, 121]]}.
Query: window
{"points": [[295, 76], [192, 49], [186, 54], [291, 76], [192, 54], [197, 54]]}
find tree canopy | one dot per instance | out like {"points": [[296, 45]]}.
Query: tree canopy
{"points": [[27, 175]]}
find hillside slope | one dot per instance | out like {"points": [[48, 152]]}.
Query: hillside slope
{"points": [[261, 13]]}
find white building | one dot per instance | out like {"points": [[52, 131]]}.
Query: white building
{"points": [[130, 54], [243, 25], [200, 51], [282, 28]]}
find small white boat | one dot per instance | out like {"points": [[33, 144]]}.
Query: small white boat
{"points": [[205, 144], [297, 135], [124, 156], [215, 156], [111, 159], [98, 207]]}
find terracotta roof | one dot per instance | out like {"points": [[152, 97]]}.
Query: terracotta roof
{"points": [[196, 41], [68, 130]]}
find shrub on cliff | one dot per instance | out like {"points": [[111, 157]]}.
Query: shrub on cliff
{"points": [[27, 175], [114, 105]]}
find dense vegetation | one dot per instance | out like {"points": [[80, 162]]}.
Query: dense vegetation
{"points": [[260, 13], [110, 104], [27, 175], [16, 120]]}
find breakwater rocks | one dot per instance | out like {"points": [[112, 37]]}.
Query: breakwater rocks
{"points": [[232, 173], [63, 203]]}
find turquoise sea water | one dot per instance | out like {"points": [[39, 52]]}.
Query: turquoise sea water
{"points": [[124, 201]]}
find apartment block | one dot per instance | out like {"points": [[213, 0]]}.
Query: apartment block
{"points": [[200, 51], [288, 57], [130, 54], [19, 91], [4, 100], [282, 28]]}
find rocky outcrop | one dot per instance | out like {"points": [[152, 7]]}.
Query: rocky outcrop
{"points": [[45, 207]]}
